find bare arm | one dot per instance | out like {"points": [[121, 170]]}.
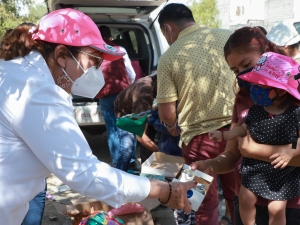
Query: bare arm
{"points": [[167, 113], [147, 142], [240, 131], [250, 149], [223, 163], [218, 136]]}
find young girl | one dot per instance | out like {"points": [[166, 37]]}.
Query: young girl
{"points": [[274, 120]]}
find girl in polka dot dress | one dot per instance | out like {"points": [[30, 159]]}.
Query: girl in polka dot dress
{"points": [[273, 120]]}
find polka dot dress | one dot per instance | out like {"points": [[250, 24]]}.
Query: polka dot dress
{"points": [[261, 177]]}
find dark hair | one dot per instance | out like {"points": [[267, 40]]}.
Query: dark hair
{"points": [[27, 24], [263, 30], [176, 13], [296, 45], [7, 32], [288, 100], [105, 31], [249, 39], [19, 42]]}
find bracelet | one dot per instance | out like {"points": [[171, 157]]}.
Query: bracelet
{"points": [[170, 127], [169, 197]]}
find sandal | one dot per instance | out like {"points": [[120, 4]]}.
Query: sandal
{"points": [[227, 219]]}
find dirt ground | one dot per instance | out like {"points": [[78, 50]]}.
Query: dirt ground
{"points": [[98, 143], [162, 215]]}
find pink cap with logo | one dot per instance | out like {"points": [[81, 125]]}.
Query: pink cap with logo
{"points": [[74, 28], [275, 70]]}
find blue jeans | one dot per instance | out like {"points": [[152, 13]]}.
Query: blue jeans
{"points": [[107, 109], [35, 213], [262, 215], [127, 149]]}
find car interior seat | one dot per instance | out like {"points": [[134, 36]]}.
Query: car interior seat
{"points": [[123, 43]]}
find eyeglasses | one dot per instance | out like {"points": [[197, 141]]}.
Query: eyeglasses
{"points": [[96, 59]]}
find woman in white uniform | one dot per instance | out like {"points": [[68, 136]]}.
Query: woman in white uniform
{"points": [[39, 68]]}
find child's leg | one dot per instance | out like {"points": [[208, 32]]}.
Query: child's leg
{"points": [[277, 212], [247, 206]]}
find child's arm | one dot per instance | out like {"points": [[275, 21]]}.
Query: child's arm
{"points": [[218, 136], [284, 155]]}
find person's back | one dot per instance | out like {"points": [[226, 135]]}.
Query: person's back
{"points": [[115, 75], [202, 78], [194, 72]]}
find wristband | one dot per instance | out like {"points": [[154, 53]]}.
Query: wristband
{"points": [[170, 127], [169, 197]]}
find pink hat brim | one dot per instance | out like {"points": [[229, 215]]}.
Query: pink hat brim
{"points": [[110, 53], [255, 78]]}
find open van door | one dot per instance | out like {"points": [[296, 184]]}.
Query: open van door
{"points": [[114, 9]]}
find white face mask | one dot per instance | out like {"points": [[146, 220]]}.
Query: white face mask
{"points": [[89, 83]]}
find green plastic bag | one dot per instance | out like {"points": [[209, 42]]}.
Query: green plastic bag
{"points": [[133, 124]]}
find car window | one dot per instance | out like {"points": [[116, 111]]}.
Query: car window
{"points": [[134, 42], [297, 26]]}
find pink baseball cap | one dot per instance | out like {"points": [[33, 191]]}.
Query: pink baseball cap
{"points": [[74, 28], [275, 70]]}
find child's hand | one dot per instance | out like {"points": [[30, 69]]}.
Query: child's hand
{"points": [[282, 158], [215, 135]]}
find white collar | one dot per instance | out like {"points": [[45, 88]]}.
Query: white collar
{"points": [[35, 59]]}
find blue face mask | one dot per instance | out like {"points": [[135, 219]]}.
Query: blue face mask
{"points": [[242, 83], [260, 95]]}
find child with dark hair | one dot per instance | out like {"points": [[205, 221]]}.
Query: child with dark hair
{"points": [[168, 143], [242, 51], [273, 120]]}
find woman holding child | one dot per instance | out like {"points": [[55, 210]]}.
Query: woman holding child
{"points": [[242, 51]]}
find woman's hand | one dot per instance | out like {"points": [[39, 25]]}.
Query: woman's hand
{"points": [[173, 194], [179, 198]]}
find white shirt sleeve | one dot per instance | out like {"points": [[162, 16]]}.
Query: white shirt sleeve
{"points": [[129, 69], [46, 123]]}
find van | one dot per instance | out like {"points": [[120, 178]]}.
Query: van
{"points": [[134, 26]]}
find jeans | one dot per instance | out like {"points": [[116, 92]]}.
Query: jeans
{"points": [[107, 109], [35, 213], [262, 215], [126, 154]]}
